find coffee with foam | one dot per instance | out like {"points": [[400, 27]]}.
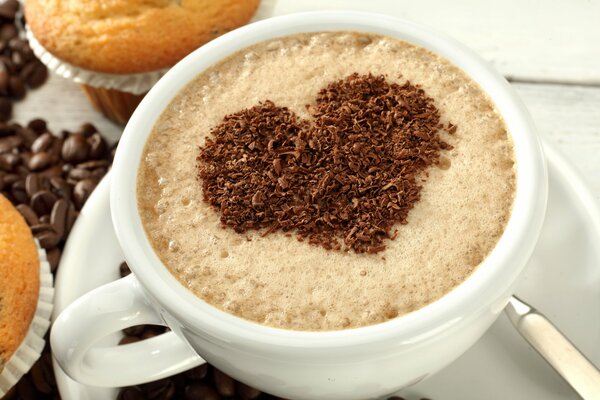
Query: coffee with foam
{"points": [[278, 281]]}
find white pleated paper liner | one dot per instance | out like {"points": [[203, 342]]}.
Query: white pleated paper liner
{"points": [[31, 348], [132, 83]]}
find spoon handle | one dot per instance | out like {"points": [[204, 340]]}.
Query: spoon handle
{"points": [[543, 336]]}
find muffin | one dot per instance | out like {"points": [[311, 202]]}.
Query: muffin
{"points": [[117, 49], [25, 297]]}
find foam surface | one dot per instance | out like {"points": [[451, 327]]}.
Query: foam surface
{"points": [[278, 281]]}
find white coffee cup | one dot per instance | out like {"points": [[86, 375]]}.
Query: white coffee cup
{"points": [[355, 363]]}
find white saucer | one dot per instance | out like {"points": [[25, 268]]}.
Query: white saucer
{"points": [[562, 280]]}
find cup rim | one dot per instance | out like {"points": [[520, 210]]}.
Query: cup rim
{"points": [[489, 283]]}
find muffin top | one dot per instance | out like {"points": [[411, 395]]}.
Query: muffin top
{"points": [[131, 36], [19, 279]]}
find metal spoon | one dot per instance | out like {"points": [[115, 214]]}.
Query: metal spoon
{"points": [[555, 348]]}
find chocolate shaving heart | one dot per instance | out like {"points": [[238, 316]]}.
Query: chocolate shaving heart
{"points": [[341, 180]]}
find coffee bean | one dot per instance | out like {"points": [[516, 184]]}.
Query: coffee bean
{"points": [[28, 214], [77, 174], [8, 161], [163, 389], [4, 77], [224, 383], [58, 216], [94, 164], [43, 201], [246, 392], [17, 59], [11, 394], [130, 393], [26, 389], [28, 135], [16, 87], [32, 184], [197, 373], [134, 330], [75, 149], [197, 390], [52, 172], [9, 143], [18, 44], [8, 31], [18, 191], [53, 257], [48, 239], [8, 180], [82, 191], [8, 9], [5, 109], [124, 271], [41, 227], [40, 380], [37, 125], [71, 217], [39, 161], [38, 75], [42, 143], [149, 333], [60, 187], [98, 146], [45, 219], [128, 340], [87, 129]]}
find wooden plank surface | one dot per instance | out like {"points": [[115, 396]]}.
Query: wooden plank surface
{"points": [[532, 40]]}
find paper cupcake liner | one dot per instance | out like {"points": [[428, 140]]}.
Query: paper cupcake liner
{"points": [[136, 84], [30, 349]]}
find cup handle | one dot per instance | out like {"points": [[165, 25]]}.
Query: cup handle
{"points": [[108, 309]]}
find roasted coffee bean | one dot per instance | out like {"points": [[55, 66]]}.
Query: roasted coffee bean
{"points": [[5, 109], [40, 378], [41, 227], [197, 390], [45, 219], [58, 216], [8, 31], [124, 270], [246, 392], [17, 59], [98, 146], [71, 217], [82, 191], [38, 125], [38, 75], [8, 180], [4, 77], [32, 184], [94, 164], [42, 143], [134, 330], [77, 174], [149, 333], [51, 172], [16, 87], [8, 161], [42, 202], [224, 383], [28, 214], [28, 135], [197, 373], [87, 129], [9, 143], [48, 239], [26, 389], [39, 161], [75, 149], [60, 187], [18, 191], [11, 394], [8, 9], [395, 398], [131, 393], [128, 340], [163, 389], [53, 257]]}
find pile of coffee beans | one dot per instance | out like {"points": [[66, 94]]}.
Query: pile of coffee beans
{"points": [[49, 177], [19, 68]]}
